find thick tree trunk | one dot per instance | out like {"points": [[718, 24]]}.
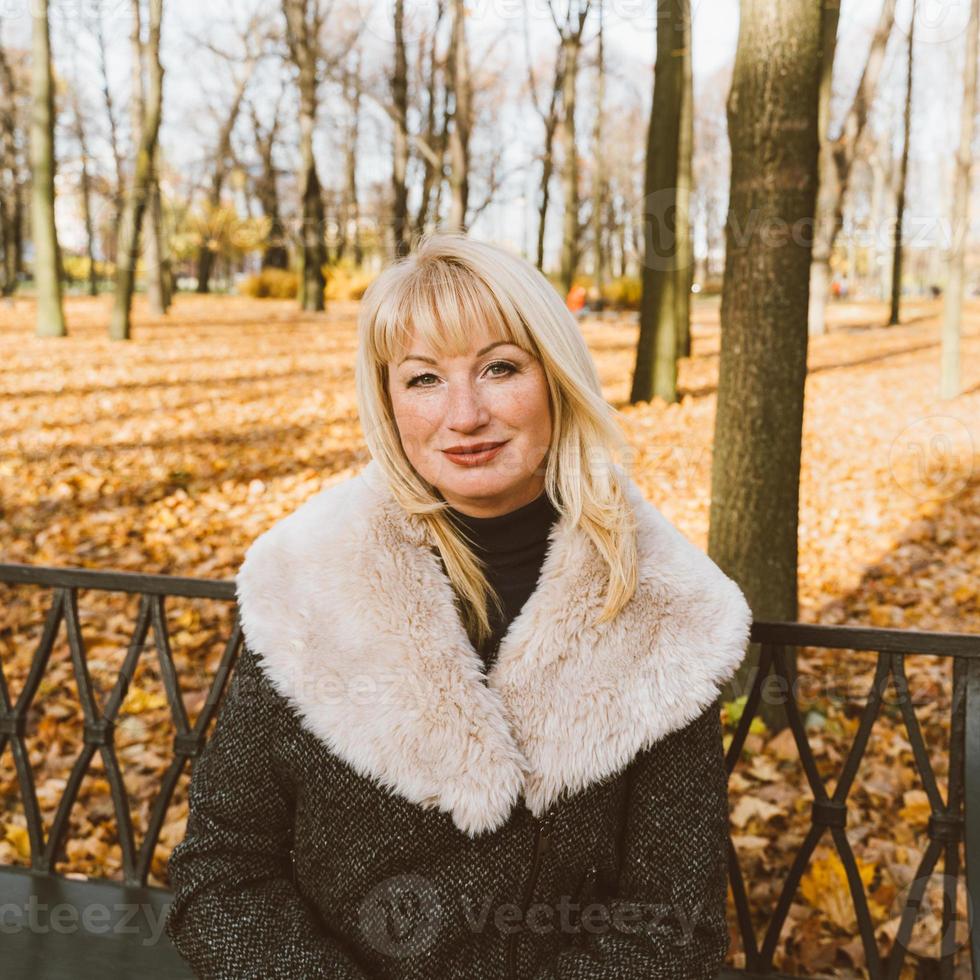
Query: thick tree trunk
{"points": [[903, 177], [50, 316], [665, 254], [949, 384], [773, 131], [136, 199]]}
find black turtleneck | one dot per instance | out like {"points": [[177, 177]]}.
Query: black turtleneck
{"points": [[513, 546]]}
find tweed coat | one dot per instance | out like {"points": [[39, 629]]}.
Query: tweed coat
{"points": [[372, 804]]}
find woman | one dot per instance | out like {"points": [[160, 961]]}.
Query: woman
{"points": [[473, 732]]}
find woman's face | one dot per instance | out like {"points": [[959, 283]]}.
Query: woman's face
{"points": [[494, 394]]}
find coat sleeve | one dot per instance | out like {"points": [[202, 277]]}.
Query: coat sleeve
{"points": [[236, 912], [667, 920]]}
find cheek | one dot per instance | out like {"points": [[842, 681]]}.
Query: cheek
{"points": [[415, 416], [526, 405]]}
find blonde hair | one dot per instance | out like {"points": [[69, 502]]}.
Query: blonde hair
{"points": [[449, 283]]}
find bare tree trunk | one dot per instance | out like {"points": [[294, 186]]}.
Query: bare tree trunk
{"points": [[549, 118], [157, 266], [685, 193], [828, 191], [774, 136], [664, 254], [570, 249], [837, 156], [119, 195], [903, 178], [598, 151], [303, 23], [459, 135], [86, 192], [275, 255], [399, 168], [437, 122], [205, 257], [880, 161], [949, 383], [11, 188], [136, 199], [350, 231], [47, 262]]}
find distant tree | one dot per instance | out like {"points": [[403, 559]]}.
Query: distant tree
{"points": [[773, 131], [949, 384], [275, 254], [47, 260], [461, 88], [837, 154], [142, 173], [599, 183], [549, 118], [349, 239], [710, 166], [665, 308], [241, 61], [570, 32], [86, 189], [304, 23], [431, 142], [159, 285], [399, 105], [903, 179], [119, 189], [14, 111]]}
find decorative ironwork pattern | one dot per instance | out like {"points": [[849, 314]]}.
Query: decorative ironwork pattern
{"points": [[948, 818], [953, 819], [99, 722]]}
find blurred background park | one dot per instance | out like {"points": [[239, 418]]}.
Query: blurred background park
{"points": [[763, 216]]}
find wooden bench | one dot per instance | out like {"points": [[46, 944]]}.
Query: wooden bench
{"points": [[55, 926]]}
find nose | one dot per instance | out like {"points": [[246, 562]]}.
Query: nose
{"points": [[466, 410]]}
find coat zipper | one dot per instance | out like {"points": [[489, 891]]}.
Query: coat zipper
{"points": [[542, 843]]}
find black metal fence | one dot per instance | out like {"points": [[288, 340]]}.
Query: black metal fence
{"points": [[952, 820]]}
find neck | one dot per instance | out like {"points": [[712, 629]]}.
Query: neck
{"points": [[508, 533]]}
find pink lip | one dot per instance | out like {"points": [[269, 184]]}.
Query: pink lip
{"points": [[475, 458]]}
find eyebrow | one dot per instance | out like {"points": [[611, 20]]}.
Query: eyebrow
{"points": [[479, 353]]}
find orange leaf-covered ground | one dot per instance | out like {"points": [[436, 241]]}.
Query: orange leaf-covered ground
{"points": [[172, 452]]}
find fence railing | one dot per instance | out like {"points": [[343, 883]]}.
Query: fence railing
{"points": [[952, 819]]}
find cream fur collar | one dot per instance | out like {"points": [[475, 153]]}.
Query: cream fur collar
{"points": [[353, 620]]}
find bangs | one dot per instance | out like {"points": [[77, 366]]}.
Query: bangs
{"points": [[443, 304]]}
